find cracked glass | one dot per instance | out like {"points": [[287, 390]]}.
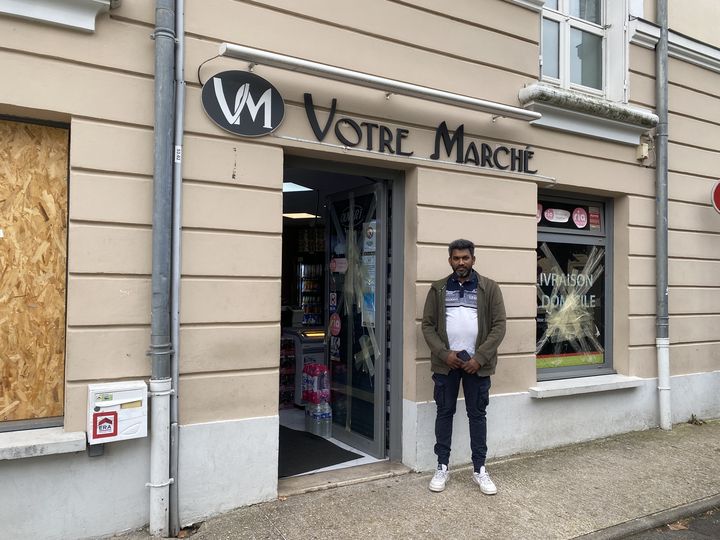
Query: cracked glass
{"points": [[570, 305]]}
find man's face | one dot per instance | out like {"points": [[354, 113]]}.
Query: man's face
{"points": [[461, 262]]}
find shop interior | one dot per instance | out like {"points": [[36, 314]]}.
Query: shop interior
{"points": [[307, 406]]}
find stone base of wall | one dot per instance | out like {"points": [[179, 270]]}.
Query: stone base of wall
{"points": [[518, 423]]}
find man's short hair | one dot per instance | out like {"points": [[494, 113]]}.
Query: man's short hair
{"points": [[461, 244]]}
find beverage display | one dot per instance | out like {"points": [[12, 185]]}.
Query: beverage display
{"points": [[316, 392], [310, 281]]}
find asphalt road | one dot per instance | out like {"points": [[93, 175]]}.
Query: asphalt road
{"points": [[699, 527]]}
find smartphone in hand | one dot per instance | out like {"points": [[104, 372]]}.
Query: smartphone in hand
{"points": [[463, 356]]}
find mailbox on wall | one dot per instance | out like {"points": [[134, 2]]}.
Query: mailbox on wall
{"points": [[116, 411]]}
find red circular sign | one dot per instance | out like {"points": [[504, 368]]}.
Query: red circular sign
{"points": [[580, 218], [335, 324], [716, 196]]}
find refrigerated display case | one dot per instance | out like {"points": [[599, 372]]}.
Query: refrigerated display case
{"points": [[310, 286]]}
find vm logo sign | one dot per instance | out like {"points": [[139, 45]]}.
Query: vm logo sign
{"points": [[243, 103]]}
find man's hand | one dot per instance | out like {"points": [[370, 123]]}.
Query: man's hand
{"points": [[454, 362], [471, 366]]}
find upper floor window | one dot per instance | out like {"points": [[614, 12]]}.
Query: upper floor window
{"points": [[573, 36], [583, 46]]}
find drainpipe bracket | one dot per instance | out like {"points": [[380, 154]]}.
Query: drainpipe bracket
{"points": [[160, 485], [163, 393]]}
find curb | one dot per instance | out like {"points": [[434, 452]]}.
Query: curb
{"points": [[651, 521]]}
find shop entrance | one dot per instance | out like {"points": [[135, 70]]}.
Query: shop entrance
{"points": [[334, 374]]}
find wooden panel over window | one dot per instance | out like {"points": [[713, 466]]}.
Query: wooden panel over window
{"points": [[33, 267]]}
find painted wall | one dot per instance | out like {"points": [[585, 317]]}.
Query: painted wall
{"points": [[694, 244], [101, 84], [695, 20]]}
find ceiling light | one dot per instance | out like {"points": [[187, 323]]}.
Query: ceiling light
{"points": [[290, 187], [300, 215]]}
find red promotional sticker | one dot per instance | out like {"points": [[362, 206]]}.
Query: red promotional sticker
{"points": [[557, 215], [594, 218], [335, 324], [580, 218]]}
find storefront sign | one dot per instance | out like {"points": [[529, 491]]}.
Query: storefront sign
{"points": [[249, 106], [448, 143], [243, 103], [715, 196]]}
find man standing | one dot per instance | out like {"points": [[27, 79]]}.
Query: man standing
{"points": [[463, 324]]}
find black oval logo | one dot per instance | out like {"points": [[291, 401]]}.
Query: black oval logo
{"points": [[243, 103]]}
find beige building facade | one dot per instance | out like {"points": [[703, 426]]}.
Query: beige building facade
{"points": [[560, 203]]}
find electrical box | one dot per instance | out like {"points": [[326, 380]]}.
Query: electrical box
{"points": [[117, 411]]}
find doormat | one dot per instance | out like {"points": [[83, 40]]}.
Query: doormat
{"points": [[301, 452]]}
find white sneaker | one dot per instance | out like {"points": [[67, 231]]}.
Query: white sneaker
{"points": [[440, 478], [482, 479]]}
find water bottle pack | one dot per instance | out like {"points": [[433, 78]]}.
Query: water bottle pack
{"points": [[316, 392], [318, 419], [316, 384]]}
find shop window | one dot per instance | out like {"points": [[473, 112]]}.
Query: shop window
{"points": [[574, 289], [583, 46]]}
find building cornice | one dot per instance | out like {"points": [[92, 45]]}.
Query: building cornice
{"points": [[74, 14], [646, 34], [532, 5]]}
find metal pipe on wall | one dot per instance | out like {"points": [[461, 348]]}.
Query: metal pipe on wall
{"points": [[176, 261], [160, 345], [662, 335], [259, 56]]}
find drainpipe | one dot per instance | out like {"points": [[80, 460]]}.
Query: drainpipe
{"points": [[176, 260], [662, 335], [160, 346]]}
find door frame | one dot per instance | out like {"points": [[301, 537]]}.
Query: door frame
{"points": [[395, 182], [377, 445]]}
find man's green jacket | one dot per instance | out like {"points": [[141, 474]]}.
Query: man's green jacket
{"points": [[491, 325]]}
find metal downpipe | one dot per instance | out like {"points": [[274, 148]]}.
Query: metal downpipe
{"points": [[175, 523], [160, 346], [662, 336]]}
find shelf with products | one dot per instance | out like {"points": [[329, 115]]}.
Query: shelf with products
{"points": [[310, 284], [287, 373]]}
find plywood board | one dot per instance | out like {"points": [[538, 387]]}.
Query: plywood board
{"points": [[33, 263]]}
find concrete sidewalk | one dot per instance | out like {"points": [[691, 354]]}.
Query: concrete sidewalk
{"points": [[607, 488]]}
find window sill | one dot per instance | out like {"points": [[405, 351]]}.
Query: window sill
{"points": [[575, 112], [40, 442], [584, 385], [74, 14]]}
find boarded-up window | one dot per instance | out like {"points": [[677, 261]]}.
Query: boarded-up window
{"points": [[33, 261]]}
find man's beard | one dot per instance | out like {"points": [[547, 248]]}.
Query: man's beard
{"points": [[462, 272]]}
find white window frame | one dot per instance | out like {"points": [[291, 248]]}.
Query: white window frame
{"points": [[612, 30]]}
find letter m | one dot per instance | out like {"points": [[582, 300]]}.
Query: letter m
{"points": [[244, 99], [457, 139]]}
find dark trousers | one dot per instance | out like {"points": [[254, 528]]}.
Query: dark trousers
{"points": [[477, 396]]}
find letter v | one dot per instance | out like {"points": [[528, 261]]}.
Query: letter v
{"points": [[220, 96], [310, 111]]}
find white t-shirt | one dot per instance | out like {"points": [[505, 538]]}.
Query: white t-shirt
{"points": [[461, 318]]}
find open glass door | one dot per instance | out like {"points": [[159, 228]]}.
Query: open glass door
{"points": [[356, 313]]}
